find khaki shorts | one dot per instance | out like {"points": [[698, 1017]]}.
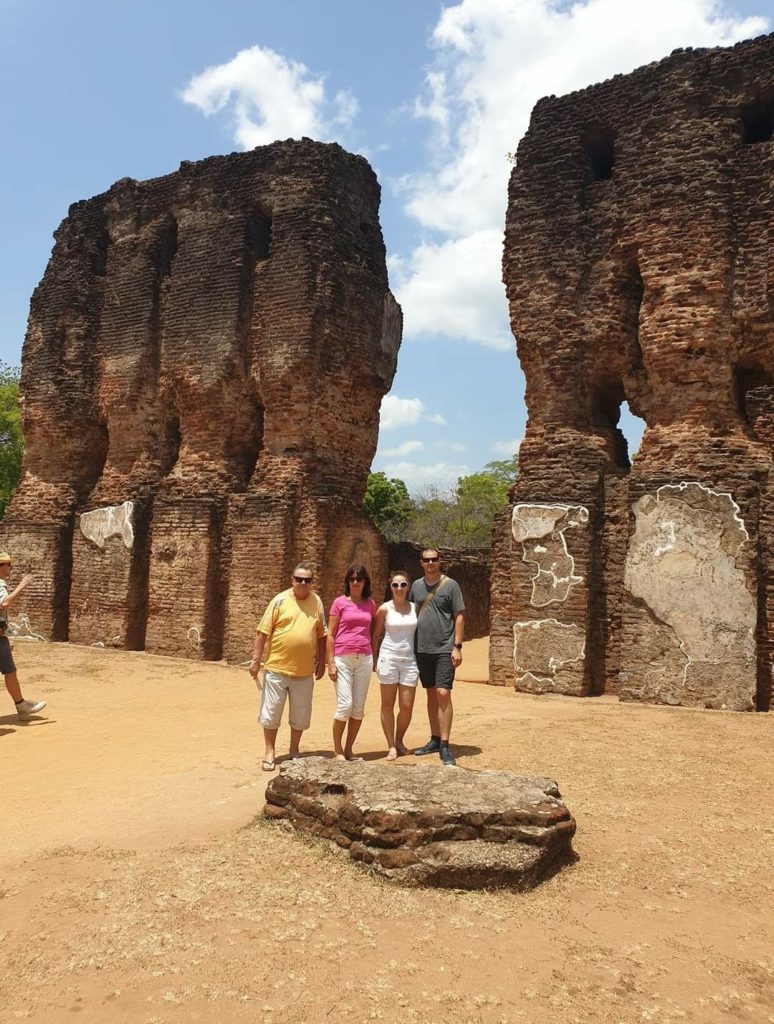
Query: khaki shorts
{"points": [[276, 690]]}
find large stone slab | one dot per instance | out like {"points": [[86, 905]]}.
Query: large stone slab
{"points": [[429, 825]]}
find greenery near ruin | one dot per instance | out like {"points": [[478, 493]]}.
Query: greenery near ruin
{"points": [[457, 518], [11, 437]]}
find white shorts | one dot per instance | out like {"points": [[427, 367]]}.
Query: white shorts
{"points": [[276, 689], [392, 670], [353, 674]]}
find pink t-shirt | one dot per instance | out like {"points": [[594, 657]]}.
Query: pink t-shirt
{"points": [[354, 633]]}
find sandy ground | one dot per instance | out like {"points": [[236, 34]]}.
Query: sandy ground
{"points": [[139, 883]]}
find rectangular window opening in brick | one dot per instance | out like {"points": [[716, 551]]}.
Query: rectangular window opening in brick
{"points": [[599, 147], [758, 121], [258, 236]]}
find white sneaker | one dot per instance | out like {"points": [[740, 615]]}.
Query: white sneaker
{"points": [[28, 708]]}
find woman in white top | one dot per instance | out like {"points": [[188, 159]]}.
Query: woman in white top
{"points": [[396, 664]]}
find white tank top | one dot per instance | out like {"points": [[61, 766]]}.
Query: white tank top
{"points": [[399, 630]]}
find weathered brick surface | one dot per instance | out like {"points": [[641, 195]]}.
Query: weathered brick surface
{"points": [[638, 264], [212, 346]]}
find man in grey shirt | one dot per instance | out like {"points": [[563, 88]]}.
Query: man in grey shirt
{"points": [[440, 629]]}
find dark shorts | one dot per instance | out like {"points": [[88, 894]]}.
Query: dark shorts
{"points": [[6, 658], [436, 671]]}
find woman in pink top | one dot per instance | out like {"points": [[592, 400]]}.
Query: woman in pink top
{"points": [[350, 657]]}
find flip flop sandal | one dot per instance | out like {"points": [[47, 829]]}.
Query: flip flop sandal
{"points": [[392, 754], [355, 757], [267, 766]]}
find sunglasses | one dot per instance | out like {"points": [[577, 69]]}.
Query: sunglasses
{"points": [[399, 586], [6, 563], [357, 579], [430, 560], [303, 579]]}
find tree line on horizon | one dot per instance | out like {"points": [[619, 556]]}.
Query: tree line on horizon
{"points": [[458, 517]]}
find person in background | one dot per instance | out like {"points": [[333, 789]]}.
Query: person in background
{"points": [[25, 709], [294, 627], [440, 631], [350, 660], [396, 664]]}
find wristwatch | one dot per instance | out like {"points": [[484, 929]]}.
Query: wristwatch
{"points": [[458, 647]]}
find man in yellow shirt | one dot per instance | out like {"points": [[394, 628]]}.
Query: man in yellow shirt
{"points": [[294, 626]]}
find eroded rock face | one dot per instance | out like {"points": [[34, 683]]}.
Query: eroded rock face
{"points": [[188, 373], [429, 825], [637, 262]]}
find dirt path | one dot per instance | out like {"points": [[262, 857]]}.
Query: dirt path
{"points": [[136, 888]]}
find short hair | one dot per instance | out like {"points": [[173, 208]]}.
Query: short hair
{"points": [[357, 570], [306, 566], [434, 550]]}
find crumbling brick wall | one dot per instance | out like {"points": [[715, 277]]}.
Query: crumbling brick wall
{"points": [[202, 376], [639, 267]]}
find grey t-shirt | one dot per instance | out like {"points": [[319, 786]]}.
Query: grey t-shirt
{"points": [[435, 627]]}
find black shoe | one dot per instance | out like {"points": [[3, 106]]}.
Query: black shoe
{"points": [[431, 747], [447, 758]]}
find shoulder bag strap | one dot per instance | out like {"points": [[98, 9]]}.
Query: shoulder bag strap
{"points": [[431, 595]]}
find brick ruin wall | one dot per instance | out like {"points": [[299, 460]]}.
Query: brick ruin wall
{"points": [[201, 377], [639, 267]]}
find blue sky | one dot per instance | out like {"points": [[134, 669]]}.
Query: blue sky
{"points": [[434, 95]]}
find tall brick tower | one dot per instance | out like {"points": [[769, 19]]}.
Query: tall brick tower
{"points": [[639, 266], [202, 375]]}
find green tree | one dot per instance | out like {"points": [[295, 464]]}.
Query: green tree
{"points": [[462, 518], [504, 470], [388, 505], [11, 437]]}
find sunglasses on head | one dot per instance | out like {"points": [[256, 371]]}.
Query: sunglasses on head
{"points": [[399, 586], [303, 579], [430, 559]]}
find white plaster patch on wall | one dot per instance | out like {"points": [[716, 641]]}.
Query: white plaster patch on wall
{"points": [[540, 529], [681, 563], [541, 647], [21, 629], [111, 521]]}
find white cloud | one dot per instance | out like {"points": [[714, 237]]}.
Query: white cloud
{"points": [[454, 288], [402, 449], [507, 448], [455, 446], [270, 97], [493, 60], [399, 412], [442, 475], [405, 412]]}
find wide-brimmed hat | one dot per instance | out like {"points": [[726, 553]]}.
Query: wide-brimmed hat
{"points": [[5, 557]]}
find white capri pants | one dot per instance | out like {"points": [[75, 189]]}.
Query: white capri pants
{"points": [[276, 689], [353, 674]]}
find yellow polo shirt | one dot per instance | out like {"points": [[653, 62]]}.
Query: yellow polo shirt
{"points": [[293, 628]]}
